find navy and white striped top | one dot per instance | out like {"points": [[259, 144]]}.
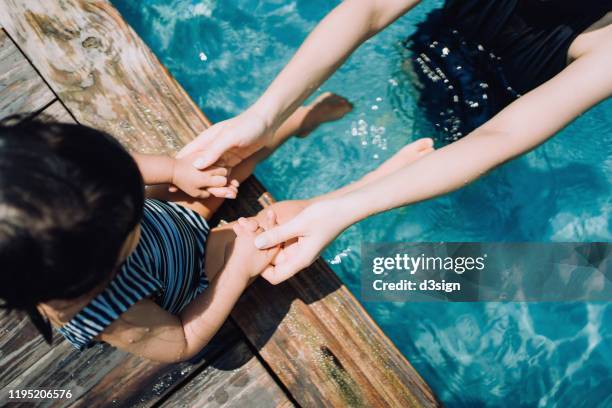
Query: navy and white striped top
{"points": [[168, 262]]}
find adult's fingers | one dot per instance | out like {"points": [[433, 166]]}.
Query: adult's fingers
{"points": [[229, 159], [213, 152], [269, 271], [213, 181], [283, 271], [277, 235], [269, 274], [201, 142]]}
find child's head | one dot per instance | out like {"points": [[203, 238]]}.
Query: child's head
{"points": [[69, 197]]}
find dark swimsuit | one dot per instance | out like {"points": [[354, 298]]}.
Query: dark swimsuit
{"points": [[474, 57], [167, 266]]}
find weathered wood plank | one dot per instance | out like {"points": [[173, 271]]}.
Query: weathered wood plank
{"points": [[21, 88], [319, 340], [103, 72], [94, 374], [143, 382], [311, 331], [236, 379], [56, 111], [20, 346]]}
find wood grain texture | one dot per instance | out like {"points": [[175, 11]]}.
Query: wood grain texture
{"points": [[103, 72], [21, 89], [144, 383], [237, 379], [56, 111], [310, 331], [103, 376], [20, 346]]}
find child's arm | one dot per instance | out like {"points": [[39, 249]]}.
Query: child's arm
{"points": [[151, 332], [159, 169]]}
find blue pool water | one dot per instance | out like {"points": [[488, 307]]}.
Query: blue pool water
{"points": [[489, 354]]}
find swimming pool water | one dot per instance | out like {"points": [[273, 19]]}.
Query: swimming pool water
{"points": [[478, 354]]}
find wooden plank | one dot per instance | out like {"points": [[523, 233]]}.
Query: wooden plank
{"points": [[20, 346], [21, 88], [93, 375], [143, 382], [56, 111], [103, 72], [311, 331], [236, 379]]}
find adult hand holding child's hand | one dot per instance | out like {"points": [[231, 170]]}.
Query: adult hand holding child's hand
{"points": [[213, 180], [304, 237], [235, 139], [255, 261]]}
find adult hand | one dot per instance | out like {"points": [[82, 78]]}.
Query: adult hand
{"points": [[232, 140], [203, 183], [243, 249], [304, 236]]}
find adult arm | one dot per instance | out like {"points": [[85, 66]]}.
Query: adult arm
{"points": [[324, 50], [518, 128]]}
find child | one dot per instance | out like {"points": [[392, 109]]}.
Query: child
{"points": [[81, 245]]}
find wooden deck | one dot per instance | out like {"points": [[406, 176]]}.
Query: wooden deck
{"points": [[307, 342]]}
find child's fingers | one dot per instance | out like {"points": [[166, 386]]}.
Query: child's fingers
{"points": [[272, 218], [200, 194], [249, 224], [223, 192], [238, 229], [269, 220], [243, 228]]}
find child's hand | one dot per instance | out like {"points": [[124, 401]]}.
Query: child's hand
{"points": [[203, 183], [253, 261]]}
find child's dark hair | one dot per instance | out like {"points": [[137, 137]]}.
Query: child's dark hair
{"points": [[69, 197]]}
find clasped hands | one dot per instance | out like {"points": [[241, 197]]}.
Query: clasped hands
{"points": [[301, 229]]}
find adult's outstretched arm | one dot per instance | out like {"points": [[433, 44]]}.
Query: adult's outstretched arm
{"points": [[520, 127], [324, 50]]}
